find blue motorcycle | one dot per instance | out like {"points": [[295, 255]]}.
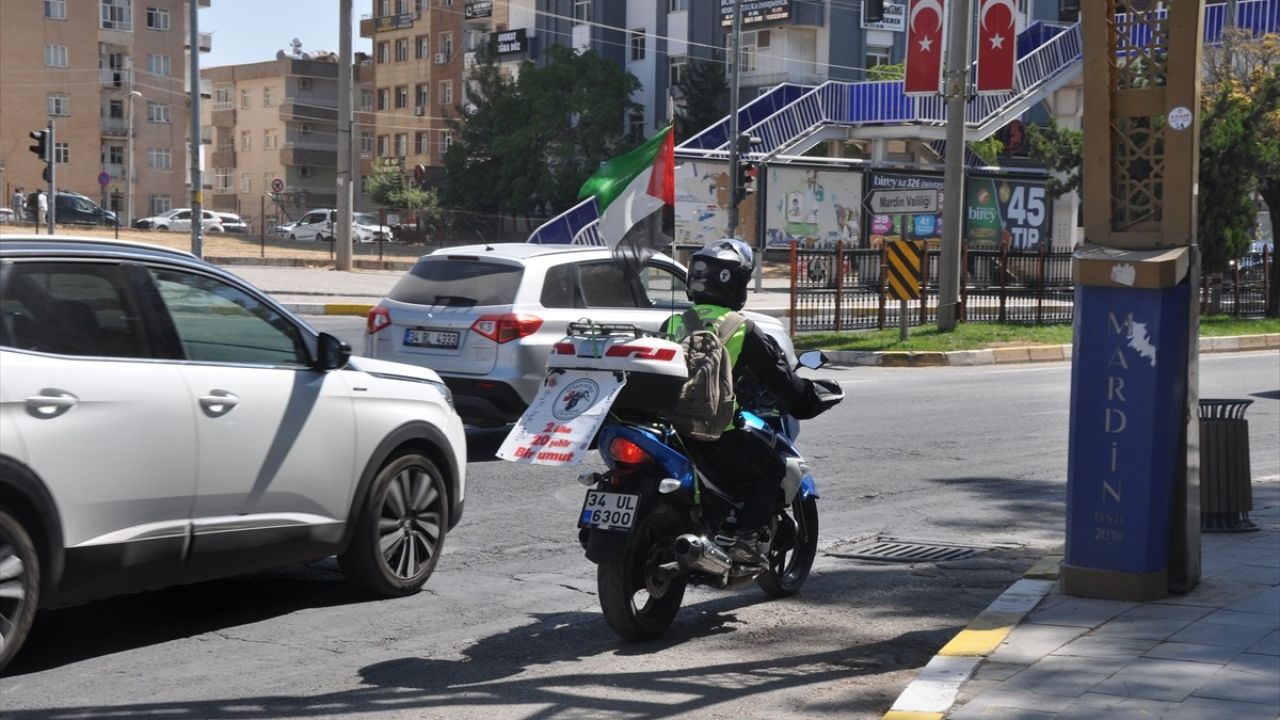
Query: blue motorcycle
{"points": [[649, 522]]}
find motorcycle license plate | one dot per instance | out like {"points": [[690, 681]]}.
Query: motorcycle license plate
{"points": [[608, 511]]}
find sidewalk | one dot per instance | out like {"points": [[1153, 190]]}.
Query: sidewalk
{"points": [[1036, 654]]}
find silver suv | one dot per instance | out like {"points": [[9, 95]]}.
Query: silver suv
{"points": [[485, 316], [163, 422]]}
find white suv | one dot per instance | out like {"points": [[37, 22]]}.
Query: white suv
{"points": [[318, 225], [163, 422], [485, 316]]}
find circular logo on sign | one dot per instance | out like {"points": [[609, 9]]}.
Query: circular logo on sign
{"points": [[575, 398], [1180, 118], [277, 185]]}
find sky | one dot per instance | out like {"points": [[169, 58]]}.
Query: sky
{"points": [[248, 31]]}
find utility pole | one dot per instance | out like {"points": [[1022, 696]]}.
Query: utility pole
{"points": [[197, 183], [735, 60], [953, 180], [52, 213], [342, 232]]}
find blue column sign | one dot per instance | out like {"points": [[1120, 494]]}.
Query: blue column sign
{"points": [[1127, 423]]}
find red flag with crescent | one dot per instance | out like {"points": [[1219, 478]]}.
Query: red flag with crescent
{"points": [[926, 29], [997, 46]]}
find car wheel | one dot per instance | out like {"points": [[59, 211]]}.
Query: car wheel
{"points": [[293, 237], [19, 586], [162, 227], [399, 533]]}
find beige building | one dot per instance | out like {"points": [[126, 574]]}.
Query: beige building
{"points": [[103, 71], [276, 121]]}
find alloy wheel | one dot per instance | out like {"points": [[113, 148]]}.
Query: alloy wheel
{"points": [[410, 527]]}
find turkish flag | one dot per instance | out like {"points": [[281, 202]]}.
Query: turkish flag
{"points": [[925, 32], [997, 46]]}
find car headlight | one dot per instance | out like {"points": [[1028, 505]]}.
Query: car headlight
{"points": [[445, 391]]}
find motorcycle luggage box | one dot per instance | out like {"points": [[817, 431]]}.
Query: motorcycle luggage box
{"points": [[655, 367]]}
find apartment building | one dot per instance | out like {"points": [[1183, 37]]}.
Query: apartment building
{"points": [[119, 101], [277, 120]]}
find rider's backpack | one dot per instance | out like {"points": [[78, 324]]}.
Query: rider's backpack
{"points": [[706, 403]]}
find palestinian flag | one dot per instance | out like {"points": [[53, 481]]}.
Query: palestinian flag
{"points": [[630, 187]]}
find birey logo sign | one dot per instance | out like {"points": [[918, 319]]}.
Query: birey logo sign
{"points": [[1002, 212]]}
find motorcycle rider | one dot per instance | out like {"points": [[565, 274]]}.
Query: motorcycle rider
{"points": [[739, 460]]}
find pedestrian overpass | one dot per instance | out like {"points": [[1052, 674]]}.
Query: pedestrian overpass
{"points": [[791, 119]]}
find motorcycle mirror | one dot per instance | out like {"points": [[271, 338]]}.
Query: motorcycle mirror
{"points": [[813, 359]]}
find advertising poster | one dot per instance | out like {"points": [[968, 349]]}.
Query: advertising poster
{"points": [[924, 226], [1014, 213], [702, 205], [563, 418], [816, 208]]}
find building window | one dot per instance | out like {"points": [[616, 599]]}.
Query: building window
{"points": [[222, 180], [115, 109], [446, 92], [384, 52], [877, 56], [270, 140], [159, 203], [446, 44], [637, 44], [58, 104], [223, 97], [159, 65], [366, 145], [421, 95], [635, 125], [114, 155], [158, 113], [62, 153], [268, 97], [55, 55], [422, 45], [582, 11], [384, 143], [55, 9], [446, 3], [366, 99], [159, 158], [157, 18], [678, 66], [446, 141], [384, 7], [117, 15], [402, 49], [420, 144], [402, 144], [402, 96], [677, 5], [246, 140], [246, 183], [304, 83], [384, 96]]}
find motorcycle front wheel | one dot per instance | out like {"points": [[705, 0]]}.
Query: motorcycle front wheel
{"points": [[638, 602], [792, 554]]}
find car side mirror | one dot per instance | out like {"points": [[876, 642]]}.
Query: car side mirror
{"points": [[812, 359], [331, 353]]}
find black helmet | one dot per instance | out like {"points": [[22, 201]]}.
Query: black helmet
{"points": [[719, 273]]}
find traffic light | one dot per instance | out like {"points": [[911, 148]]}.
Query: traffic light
{"points": [[41, 148], [745, 179], [873, 10]]}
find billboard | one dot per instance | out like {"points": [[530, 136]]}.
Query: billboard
{"points": [[817, 208], [1008, 212], [755, 11], [882, 227], [702, 205]]}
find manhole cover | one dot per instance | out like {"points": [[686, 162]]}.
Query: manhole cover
{"points": [[907, 551]]}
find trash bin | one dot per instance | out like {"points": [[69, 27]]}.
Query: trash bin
{"points": [[1226, 495]]}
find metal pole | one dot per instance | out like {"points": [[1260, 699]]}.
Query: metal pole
{"points": [[197, 183], [262, 225], [342, 233], [51, 151], [953, 180], [735, 59], [129, 164]]}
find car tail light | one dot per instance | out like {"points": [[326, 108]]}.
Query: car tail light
{"points": [[563, 349], [379, 318], [508, 326], [640, 352], [626, 452]]}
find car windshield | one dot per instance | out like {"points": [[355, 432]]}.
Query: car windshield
{"points": [[458, 281], [364, 219]]}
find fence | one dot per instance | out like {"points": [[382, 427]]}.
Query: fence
{"points": [[845, 289]]}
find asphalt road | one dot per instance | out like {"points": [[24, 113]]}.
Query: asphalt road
{"points": [[509, 628]]}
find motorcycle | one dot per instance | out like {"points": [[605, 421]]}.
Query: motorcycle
{"points": [[650, 521]]}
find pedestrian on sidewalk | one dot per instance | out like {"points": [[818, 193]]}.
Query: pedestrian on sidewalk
{"points": [[16, 203], [42, 206]]}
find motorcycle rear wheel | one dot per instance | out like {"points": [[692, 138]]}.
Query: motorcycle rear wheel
{"points": [[636, 604], [790, 562]]}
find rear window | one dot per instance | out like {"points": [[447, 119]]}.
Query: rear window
{"points": [[442, 281]]}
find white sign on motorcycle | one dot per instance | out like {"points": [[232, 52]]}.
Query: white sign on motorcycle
{"points": [[563, 418]]}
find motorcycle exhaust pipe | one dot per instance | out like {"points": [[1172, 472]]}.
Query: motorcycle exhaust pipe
{"points": [[698, 553]]}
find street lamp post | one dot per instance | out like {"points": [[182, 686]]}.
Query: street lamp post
{"points": [[128, 215]]}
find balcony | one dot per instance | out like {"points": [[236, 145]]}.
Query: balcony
{"points": [[223, 158], [204, 40], [114, 77], [225, 117], [313, 157], [115, 127], [117, 171], [293, 111]]}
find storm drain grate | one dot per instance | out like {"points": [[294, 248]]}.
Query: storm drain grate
{"points": [[904, 551]]}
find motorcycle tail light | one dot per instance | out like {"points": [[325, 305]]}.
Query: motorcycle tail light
{"points": [[626, 452]]}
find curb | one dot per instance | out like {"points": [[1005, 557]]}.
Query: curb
{"points": [[935, 689]]}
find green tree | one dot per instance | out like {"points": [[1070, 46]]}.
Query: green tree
{"points": [[1058, 149], [388, 188], [702, 88]]}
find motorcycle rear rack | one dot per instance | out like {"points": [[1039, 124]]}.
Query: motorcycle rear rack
{"points": [[592, 329]]}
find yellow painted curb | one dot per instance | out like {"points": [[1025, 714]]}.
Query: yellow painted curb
{"points": [[347, 309], [983, 635], [911, 715]]}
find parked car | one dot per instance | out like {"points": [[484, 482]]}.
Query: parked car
{"points": [[318, 225], [164, 422], [232, 223], [179, 219], [76, 209], [485, 316], [8, 216]]}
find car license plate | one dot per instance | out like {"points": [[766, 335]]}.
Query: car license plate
{"points": [[422, 337], [608, 511]]}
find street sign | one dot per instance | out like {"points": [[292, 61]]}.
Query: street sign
{"points": [[918, 201], [904, 259], [277, 185], [104, 178]]}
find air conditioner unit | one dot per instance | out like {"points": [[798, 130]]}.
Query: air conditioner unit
{"points": [[420, 110], [442, 58]]}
